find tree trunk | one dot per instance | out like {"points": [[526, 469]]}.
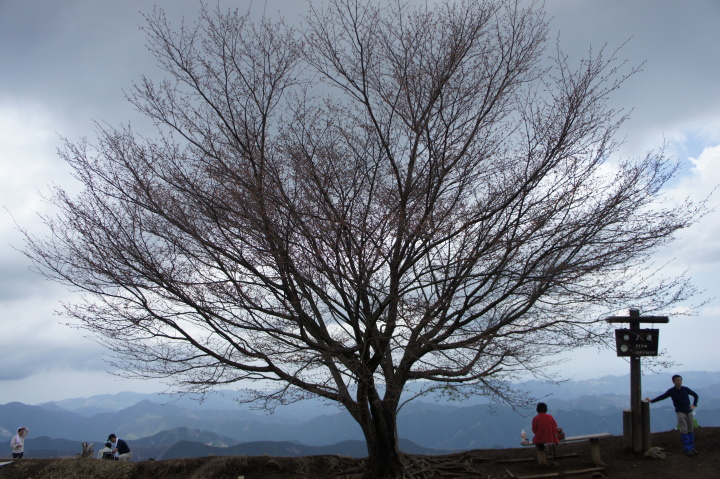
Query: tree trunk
{"points": [[380, 429]]}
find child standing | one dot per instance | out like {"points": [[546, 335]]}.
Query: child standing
{"points": [[17, 443]]}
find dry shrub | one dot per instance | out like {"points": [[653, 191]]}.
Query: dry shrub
{"points": [[80, 468], [234, 465], [305, 466], [332, 466]]}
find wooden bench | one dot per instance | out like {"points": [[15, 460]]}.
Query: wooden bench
{"points": [[594, 440], [555, 474]]}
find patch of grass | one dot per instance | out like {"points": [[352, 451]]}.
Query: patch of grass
{"points": [[236, 465], [77, 468]]}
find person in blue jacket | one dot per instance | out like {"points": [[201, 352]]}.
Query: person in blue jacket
{"points": [[686, 421]]}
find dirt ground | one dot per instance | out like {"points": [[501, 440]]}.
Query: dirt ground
{"points": [[572, 460]]}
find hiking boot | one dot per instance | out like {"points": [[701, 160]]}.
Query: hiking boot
{"points": [[690, 452]]}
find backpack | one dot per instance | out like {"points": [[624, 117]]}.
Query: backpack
{"points": [[108, 456]]}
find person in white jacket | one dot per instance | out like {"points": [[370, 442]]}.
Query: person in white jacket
{"points": [[106, 452], [17, 443]]}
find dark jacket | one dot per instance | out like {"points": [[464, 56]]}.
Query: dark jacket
{"points": [[680, 398], [122, 447]]}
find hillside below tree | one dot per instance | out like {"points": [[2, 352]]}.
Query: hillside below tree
{"points": [[477, 464]]}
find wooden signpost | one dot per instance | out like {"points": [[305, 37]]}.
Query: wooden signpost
{"points": [[635, 343]]}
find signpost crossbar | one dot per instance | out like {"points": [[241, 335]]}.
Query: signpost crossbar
{"points": [[642, 319]]}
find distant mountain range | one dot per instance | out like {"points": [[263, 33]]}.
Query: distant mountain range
{"points": [[164, 427], [183, 442]]}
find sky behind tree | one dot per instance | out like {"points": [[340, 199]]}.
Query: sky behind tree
{"points": [[66, 65]]}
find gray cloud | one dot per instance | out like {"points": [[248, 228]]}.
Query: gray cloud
{"points": [[675, 40]]}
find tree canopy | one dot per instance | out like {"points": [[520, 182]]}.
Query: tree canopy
{"points": [[379, 196]]}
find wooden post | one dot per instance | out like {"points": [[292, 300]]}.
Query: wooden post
{"points": [[627, 430], [595, 452], [541, 456], [645, 413], [636, 392]]}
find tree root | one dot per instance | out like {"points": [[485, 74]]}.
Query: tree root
{"points": [[428, 467], [454, 466]]}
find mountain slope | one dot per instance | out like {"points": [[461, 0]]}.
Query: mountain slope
{"points": [[435, 425], [186, 449]]}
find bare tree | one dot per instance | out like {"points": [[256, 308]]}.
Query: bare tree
{"points": [[383, 196]]}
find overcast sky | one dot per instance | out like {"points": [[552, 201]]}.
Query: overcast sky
{"points": [[64, 64]]}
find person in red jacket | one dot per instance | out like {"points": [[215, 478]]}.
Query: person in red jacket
{"points": [[544, 427]]}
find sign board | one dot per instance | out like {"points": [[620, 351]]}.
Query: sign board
{"points": [[637, 342]]}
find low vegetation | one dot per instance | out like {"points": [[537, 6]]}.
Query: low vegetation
{"points": [[483, 464]]}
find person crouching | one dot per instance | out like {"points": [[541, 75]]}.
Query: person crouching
{"points": [[120, 448]]}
